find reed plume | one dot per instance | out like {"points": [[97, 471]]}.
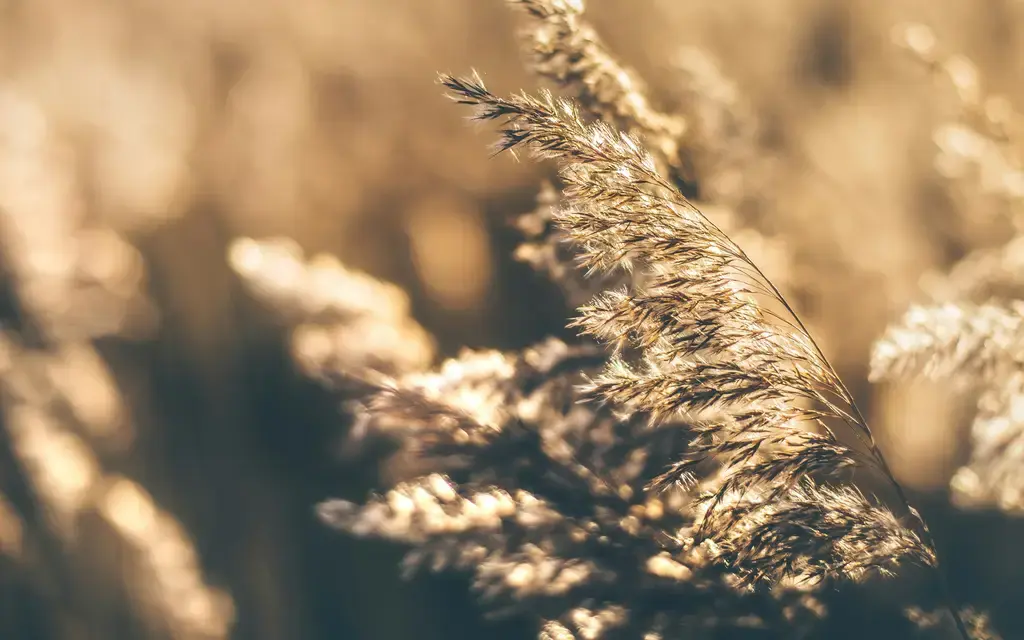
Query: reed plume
{"points": [[542, 497], [705, 346], [345, 324], [699, 444], [700, 147]]}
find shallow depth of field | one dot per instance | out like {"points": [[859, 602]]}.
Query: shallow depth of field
{"points": [[163, 448]]}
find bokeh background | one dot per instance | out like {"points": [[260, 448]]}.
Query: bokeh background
{"points": [[162, 453]]}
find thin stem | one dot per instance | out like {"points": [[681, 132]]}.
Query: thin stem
{"points": [[555, 139], [860, 424], [928, 539], [883, 466]]}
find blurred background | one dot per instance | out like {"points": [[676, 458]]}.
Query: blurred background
{"points": [[160, 450]]}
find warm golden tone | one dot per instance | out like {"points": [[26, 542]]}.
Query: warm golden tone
{"points": [[720, 341]]}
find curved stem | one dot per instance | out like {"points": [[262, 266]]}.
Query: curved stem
{"points": [[928, 539], [883, 466], [860, 424]]}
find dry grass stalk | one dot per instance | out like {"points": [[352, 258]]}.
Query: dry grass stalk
{"points": [[705, 356]]}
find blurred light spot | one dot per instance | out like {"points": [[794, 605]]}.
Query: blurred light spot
{"points": [[450, 251], [82, 377], [170, 574], [919, 38], [920, 433], [104, 257], [964, 75], [273, 267], [62, 467], [130, 509]]}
